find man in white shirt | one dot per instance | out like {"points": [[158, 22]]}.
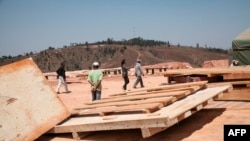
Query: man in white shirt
{"points": [[138, 73]]}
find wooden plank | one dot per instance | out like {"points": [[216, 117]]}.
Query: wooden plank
{"points": [[79, 135], [234, 83], [237, 94], [163, 100], [202, 84], [209, 72], [102, 111], [191, 89], [191, 101], [177, 94], [159, 90], [29, 107], [240, 92], [148, 132]]}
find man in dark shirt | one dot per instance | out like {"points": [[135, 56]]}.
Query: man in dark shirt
{"points": [[124, 74], [61, 78]]}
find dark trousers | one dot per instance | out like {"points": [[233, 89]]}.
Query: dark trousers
{"points": [[96, 95], [139, 79], [126, 81]]}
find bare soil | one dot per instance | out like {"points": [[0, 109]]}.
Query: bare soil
{"points": [[80, 88]]}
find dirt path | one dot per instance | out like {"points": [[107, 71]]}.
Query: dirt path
{"points": [[139, 55]]}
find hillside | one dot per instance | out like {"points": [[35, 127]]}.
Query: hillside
{"points": [[110, 56]]}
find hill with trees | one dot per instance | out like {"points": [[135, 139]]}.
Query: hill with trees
{"points": [[109, 54]]}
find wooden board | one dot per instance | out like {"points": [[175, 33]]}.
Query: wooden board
{"points": [[237, 94], [149, 123], [240, 91], [201, 84], [191, 89], [209, 72], [164, 100], [29, 107], [177, 94], [103, 111]]}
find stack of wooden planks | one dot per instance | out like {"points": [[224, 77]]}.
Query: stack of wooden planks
{"points": [[238, 77], [144, 100], [208, 71], [208, 74], [151, 110]]}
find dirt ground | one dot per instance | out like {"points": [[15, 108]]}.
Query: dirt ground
{"points": [[206, 124], [80, 88]]}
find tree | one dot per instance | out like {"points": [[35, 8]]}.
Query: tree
{"points": [[110, 41], [197, 45], [168, 44], [86, 44]]}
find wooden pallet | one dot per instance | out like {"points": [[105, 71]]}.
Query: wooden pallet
{"points": [[185, 86], [240, 92], [208, 74], [163, 100], [131, 103], [147, 101], [158, 116]]}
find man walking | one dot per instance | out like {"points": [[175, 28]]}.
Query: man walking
{"points": [[124, 74], [61, 78], [138, 73]]}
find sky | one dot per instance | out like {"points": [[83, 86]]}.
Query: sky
{"points": [[35, 25]]}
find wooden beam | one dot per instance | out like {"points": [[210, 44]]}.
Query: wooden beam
{"points": [[164, 100], [177, 94], [103, 111], [208, 72], [165, 87], [148, 132], [79, 135]]}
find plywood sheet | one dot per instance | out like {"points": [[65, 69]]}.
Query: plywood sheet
{"points": [[29, 107]]}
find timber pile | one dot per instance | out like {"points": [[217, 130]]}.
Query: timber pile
{"points": [[220, 74], [238, 77], [151, 110]]}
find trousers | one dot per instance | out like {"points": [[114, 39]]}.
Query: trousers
{"points": [[61, 81], [96, 95]]}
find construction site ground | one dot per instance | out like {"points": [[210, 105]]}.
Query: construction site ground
{"points": [[206, 124]]}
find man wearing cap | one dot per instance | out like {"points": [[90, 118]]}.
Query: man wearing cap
{"points": [[95, 80], [138, 73]]}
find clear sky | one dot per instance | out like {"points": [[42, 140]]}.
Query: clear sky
{"points": [[35, 25]]}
